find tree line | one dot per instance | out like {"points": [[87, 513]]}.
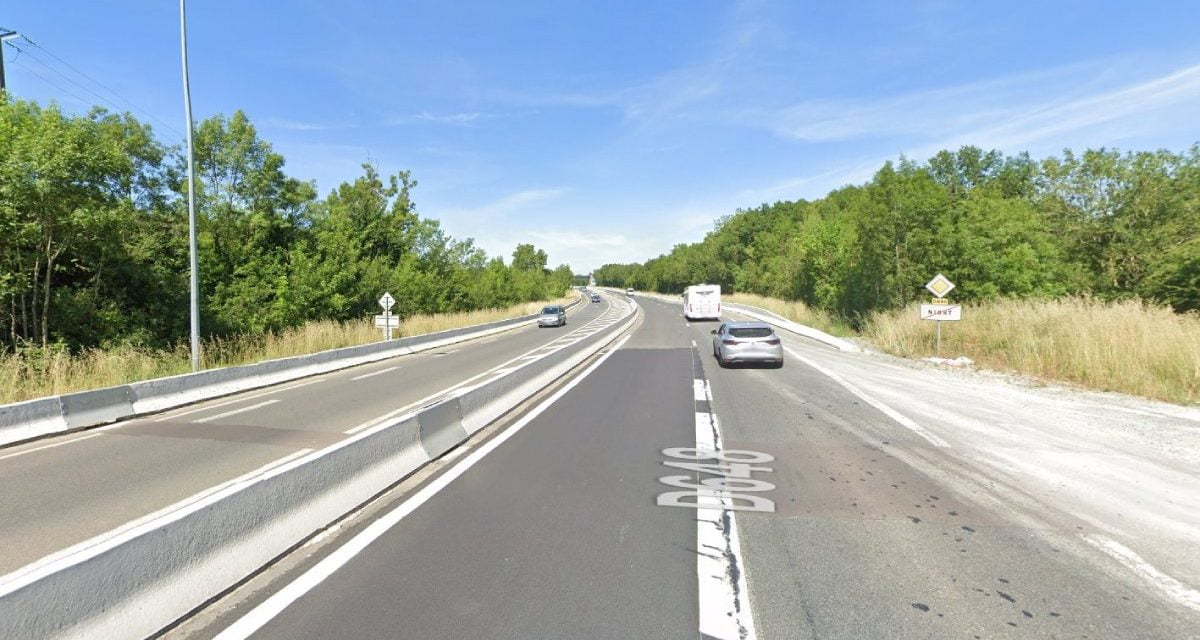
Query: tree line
{"points": [[1101, 223], [93, 238]]}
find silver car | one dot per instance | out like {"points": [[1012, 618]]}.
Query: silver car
{"points": [[552, 316], [747, 342]]}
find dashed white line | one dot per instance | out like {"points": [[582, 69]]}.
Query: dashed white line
{"points": [[180, 414], [374, 373], [47, 446], [234, 412]]}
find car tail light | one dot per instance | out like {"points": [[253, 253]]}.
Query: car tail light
{"points": [[727, 341], [772, 341]]}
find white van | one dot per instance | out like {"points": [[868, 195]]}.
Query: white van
{"points": [[702, 302]]}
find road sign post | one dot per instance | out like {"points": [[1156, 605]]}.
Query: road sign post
{"points": [[386, 301], [941, 310]]}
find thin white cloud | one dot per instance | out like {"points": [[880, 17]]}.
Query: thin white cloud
{"points": [[449, 118], [999, 112], [1052, 121], [461, 118], [516, 202], [1145, 107], [298, 125]]}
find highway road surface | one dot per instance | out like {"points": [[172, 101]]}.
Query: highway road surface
{"points": [[64, 490], [849, 520]]}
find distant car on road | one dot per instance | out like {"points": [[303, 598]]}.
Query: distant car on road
{"points": [[629, 291], [552, 316], [747, 342], [595, 297]]}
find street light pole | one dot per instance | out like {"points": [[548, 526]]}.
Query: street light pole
{"points": [[4, 35], [192, 258]]}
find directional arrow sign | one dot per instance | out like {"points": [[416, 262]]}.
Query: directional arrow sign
{"points": [[939, 286], [387, 301]]}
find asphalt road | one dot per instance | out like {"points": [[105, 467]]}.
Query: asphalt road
{"points": [[64, 490], [876, 531]]}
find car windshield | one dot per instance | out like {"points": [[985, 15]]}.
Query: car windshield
{"points": [[550, 310], [750, 332]]}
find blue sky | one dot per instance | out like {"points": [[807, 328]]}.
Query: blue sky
{"points": [[610, 131]]}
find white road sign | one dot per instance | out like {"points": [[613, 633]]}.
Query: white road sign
{"points": [[939, 286], [949, 312], [387, 321], [387, 301]]}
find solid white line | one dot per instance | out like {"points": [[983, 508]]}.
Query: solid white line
{"points": [[273, 606], [48, 446], [234, 412], [374, 373], [904, 420], [235, 400], [724, 614], [1171, 587]]}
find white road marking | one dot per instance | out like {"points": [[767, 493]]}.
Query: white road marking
{"points": [[700, 390], [693, 344], [724, 604], [259, 616], [536, 354], [903, 420], [234, 412], [374, 373], [1168, 585], [206, 407], [47, 446]]}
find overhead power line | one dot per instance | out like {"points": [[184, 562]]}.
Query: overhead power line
{"points": [[51, 83], [129, 104]]}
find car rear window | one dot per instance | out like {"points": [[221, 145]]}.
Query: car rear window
{"points": [[702, 293], [750, 332]]}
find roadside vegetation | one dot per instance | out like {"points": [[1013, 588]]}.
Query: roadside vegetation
{"points": [[94, 253], [1082, 268], [41, 372], [794, 310], [1126, 346]]}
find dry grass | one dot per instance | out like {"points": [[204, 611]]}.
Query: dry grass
{"points": [[35, 373], [1128, 346], [793, 310]]}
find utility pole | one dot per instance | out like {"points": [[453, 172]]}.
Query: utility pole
{"points": [[5, 34], [191, 177]]}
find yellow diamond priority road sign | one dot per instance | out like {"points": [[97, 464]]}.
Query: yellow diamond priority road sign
{"points": [[939, 286]]}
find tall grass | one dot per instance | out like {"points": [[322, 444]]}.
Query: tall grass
{"points": [[795, 311], [34, 373], [1128, 346]]}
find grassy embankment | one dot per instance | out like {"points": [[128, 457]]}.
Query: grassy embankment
{"points": [[795, 311], [23, 377], [1128, 346]]}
